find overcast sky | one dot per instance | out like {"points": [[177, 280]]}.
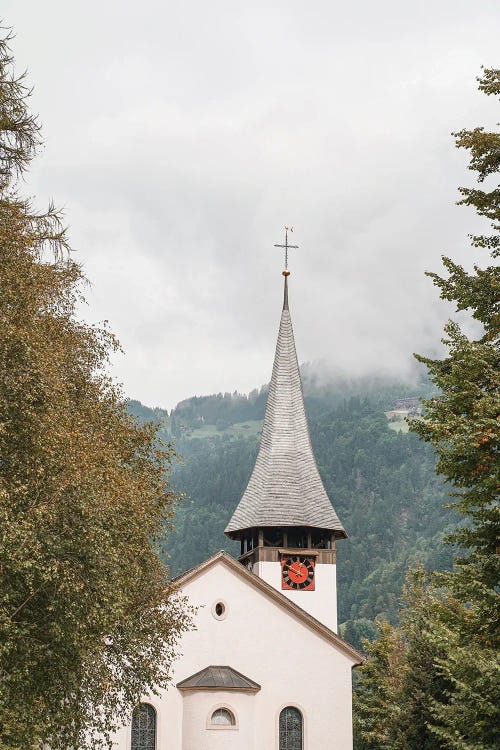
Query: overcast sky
{"points": [[182, 136]]}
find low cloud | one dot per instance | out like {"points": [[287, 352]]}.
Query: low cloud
{"points": [[181, 137]]}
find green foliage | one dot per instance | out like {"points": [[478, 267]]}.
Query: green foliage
{"points": [[397, 686], [146, 414], [88, 621], [381, 482], [214, 472], [377, 706], [463, 422], [324, 392], [484, 152], [221, 410], [358, 631], [424, 685], [382, 485], [450, 694], [466, 714], [463, 425]]}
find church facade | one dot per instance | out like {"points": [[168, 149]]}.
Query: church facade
{"points": [[264, 668]]}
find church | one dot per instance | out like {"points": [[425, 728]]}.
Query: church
{"points": [[264, 668]]}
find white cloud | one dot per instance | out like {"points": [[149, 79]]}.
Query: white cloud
{"points": [[182, 136]]}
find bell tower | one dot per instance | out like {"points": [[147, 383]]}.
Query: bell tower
{"points": [[285, 522]]}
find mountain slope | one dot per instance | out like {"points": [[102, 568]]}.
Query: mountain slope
{"points": [[380, 481]]}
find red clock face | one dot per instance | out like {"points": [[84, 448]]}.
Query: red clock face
{"points": [[297, 572]]}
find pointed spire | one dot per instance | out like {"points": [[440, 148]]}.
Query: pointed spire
{"points": [[285, 488]]}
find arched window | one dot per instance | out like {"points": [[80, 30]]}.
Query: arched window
{"points": [[143, 728], [291, 732], [222, 717]]}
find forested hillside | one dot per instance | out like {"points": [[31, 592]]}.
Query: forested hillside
{"points": [[381, 482]]}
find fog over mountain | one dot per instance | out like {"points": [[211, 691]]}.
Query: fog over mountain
{"points": [[181, 137]]}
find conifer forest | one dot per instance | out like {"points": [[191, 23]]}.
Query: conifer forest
{"points": [[381, 481]]}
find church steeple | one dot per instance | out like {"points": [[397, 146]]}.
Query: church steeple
{"points": [[285, 489], [285, 523]]}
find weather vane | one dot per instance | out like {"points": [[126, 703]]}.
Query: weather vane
{"points": [[286, 248]]}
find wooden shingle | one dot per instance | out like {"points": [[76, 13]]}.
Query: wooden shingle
{"points": [[285, 488]]}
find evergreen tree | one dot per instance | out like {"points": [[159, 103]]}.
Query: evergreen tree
{"points": [[396, 688], [462, 423], [448, 694], [377, 705], [465, 715], [424, 682], [87, 618]]}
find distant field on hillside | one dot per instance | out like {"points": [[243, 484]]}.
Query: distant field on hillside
{"points": [[400, 426], [251, 428]]}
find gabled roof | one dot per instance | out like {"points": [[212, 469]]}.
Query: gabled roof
{"points": [[219, 678], [285, 488], [273, 594]]}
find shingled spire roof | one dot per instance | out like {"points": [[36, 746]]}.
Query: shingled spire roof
{"points": [[285, 488]]}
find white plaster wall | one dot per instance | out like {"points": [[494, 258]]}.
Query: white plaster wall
{"points": [[199, 706], [320, 603], [164, 728], [293, 664]]}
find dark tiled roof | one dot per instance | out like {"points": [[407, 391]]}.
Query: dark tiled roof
{"points": [[285, 488], [218, 678]]}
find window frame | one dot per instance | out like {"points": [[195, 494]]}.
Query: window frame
{"points": [[155, 711], [302, 713], [223, 615], [223, 727]]}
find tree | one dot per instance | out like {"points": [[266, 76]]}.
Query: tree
{"points": [[378, 689], [462, 423], [449, 695], [88, 619], [397, 686], [465, 715]]}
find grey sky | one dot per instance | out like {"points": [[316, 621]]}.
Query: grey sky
{"points": [[181, 137]]}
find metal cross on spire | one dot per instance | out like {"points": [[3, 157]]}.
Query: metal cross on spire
{"points": [[286, 247]]}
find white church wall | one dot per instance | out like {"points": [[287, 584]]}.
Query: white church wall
{"points": [[293, 663], [197, 731], [320, 603], [123, 737]]}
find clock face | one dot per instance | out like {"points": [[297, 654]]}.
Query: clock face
{"points": [[297, 572]]}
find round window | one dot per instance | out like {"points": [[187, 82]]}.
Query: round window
{"points": [[219, 610]]}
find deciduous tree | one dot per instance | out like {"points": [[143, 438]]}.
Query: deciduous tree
{"points": [[88, 620]]}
